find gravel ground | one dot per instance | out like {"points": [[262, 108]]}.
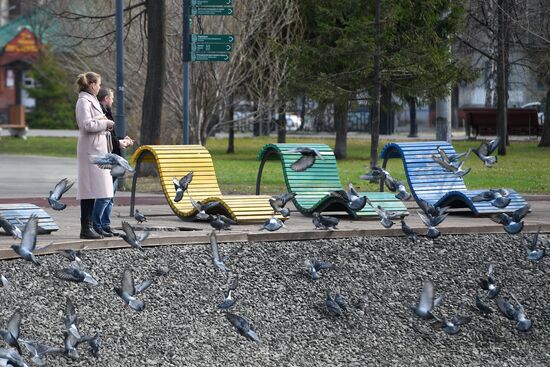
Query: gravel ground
{"points": [[181, 325]]}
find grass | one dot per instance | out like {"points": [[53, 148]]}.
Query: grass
{"points": [[524, 168]]}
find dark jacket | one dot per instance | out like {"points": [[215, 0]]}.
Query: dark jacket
{"points": [[114, 138]]}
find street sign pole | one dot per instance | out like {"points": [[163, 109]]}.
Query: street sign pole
{"points": [[186, 59], [120, 125]]}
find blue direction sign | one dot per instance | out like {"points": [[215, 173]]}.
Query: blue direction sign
{"points": [[217, 10], [211, 2], [197, 56], [211, 47], [212, 38]]}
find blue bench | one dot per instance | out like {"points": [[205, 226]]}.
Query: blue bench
{"points": [[429, 181], [19, 214]]}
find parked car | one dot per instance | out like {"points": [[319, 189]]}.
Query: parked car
{"points": [[540, 110]]}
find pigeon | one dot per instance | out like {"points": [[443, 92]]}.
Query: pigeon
{"points": [[332, 307], [512, 224], [452, 326], [431, 222], [203, 208], [352, 198], [522, 322], [94, 342], [75, 273], [243, 326], [314, 266], [220, 222], [73, 255], [411, 235], [71, 320], [60, 188], [228, 301], [341, 301], [181, 185], [128, 291], [426, 302], [28, 241], [4, 282], [278, 203], [216, 259], [375, 174], [386, 216], [506, 308], [131, 238], [434, 211], [324, 221], [139, 217], [70, 343], [309, 155], [118, 165], [456, 170], [451, 158], [482, 307], [10, 228], [11, 358], [397, 186], [534, 253], [488, 284], [39, 351], [11, 334], [499, 198], [273, 224], [485, 150]]}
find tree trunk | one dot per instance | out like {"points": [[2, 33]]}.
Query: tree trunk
{"points": [[303, 112], [231, 138], [375, 126], [545, 138], [281, 125], [502, 75], [156, 64], [341, 126], [454, 107], [413, 131]]}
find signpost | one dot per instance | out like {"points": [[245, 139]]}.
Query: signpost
{"points": [[212, 10]]}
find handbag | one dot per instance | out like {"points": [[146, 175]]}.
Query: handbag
{"points": [[109, 141]]}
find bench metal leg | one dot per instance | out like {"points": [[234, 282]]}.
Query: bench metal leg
{"points": [[134, 182], [384, 164]]}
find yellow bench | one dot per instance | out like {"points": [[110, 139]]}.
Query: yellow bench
{"points": [[178, 160]]}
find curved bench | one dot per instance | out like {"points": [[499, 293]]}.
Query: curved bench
{"points": [[19, 214], [313, 186], [178, 160], [429, 181]]}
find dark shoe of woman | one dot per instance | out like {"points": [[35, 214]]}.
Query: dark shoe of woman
{"points": [[102, 232], [87, 231], [108, 229]]}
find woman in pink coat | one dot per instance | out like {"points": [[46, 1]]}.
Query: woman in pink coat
{"points": [[93, 182]]}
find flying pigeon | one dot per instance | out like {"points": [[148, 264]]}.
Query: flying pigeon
{"points": [[128, 291], [10, 228], [324, 221], [375, 174], [70, 320], [11, 334], [70, 343], [499, 198], [94, 342], [6, 284], [452, 326], [309, 155], [426, 302], [228, 301], [457, 170], [522, 322], [314, 266], [28, 242], [354, 201], [386, 216], [411, 234], [482, 307], [139, 216], [278, 203], [203, 208], [452, 158], [432, 222], [243, 326], [341, 301], [181, 185], [75, 273], [273, 224], [434, 211], [485, 150], [114, 162], [534, 252], [216, 259], [397, 186], [62, 187], [39, 351], [11, 358], [488, 284], [220, 222], [332, 307], [73, 255], [131, 238], [512, 224]]}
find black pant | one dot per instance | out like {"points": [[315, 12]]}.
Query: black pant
{"points": [[86, 209]]}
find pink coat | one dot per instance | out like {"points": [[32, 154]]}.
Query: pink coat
{"points": [[93, 182]]}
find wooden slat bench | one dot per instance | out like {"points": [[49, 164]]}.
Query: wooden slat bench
{"points": [[431, 182], [178, 160], [19, 214], [313, 186]]}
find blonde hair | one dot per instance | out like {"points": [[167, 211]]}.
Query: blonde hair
{"points": [[84, 80]]}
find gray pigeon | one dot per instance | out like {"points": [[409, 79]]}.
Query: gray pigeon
{"points": [[4, 282], [332, 307], [451, 158], [512, 224], [341, 301], [485, 150], [73, 255], [309, 155], [70, 343], [243, 326], [220, 222], [11, 358], [10, 228], [488, 284], [324, 221], [182, 185], [314, 266], [76, 274], [434, 211], [397, 186], [409, 232], [432, 222], [139, 217], [278, 203], [28, 242], [499, 198], [203, 208], [128, 292], [482, 307], [11, 334], [62, 187], [375, 174], [39, 351], [456, 170], [522, 322], [131, 238], [506, 308], [70, 321], [228, 301], [352, 198], [386, 216], [117, 164], [216, 259], [534, 252], [94, 342], [426, 302], [273, 224], [452, 326]]}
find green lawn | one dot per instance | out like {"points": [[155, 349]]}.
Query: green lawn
{"points": [[525, 167]]}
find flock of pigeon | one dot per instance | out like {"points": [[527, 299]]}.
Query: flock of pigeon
{"points": [[335, 303]]}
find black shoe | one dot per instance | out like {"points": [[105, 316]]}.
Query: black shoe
{"points": [[87, 231], [102, 232], [108, 229]]}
